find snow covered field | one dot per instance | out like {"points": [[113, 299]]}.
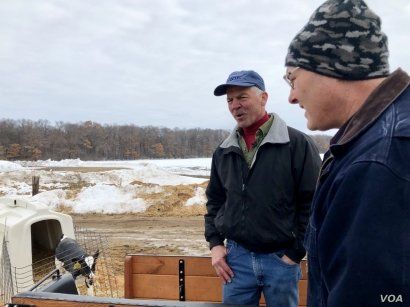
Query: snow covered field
{"points": [[109, 186], [153, 187], [104, 186]]}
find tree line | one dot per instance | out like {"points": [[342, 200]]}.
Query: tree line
{"points": [[40, 140]]}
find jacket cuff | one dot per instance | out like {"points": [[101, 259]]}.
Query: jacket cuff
{"points": [[296, 255], [214, 241]]}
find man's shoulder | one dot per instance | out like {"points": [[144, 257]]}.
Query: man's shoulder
{"points": [[297, 135], [301, 142]]}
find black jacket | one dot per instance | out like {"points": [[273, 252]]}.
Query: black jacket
{"points": [[265, 207]]}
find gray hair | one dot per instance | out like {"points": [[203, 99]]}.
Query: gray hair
{"points": [[257, 90]]}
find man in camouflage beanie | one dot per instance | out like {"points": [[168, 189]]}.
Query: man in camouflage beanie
{"points": [[342, 39], [357, 240]]}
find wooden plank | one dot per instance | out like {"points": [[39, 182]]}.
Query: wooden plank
{"points": [[157, 278], [168, 265], [39, 302], [155, 286], [65, 300], [303, 292], [58, 303], [128, 277], [197, 288], [35, 185]]}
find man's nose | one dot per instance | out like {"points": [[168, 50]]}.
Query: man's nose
{"points": [[235, 104], [292, 97]]}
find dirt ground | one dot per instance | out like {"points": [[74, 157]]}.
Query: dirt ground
{"points": [[142, 234], [168, 226]]}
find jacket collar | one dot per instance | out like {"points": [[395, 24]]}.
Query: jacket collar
{"points": [[278, 134], [377, 102]]}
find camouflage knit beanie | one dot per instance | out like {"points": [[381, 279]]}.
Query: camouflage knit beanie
{"points": [[342, 39]]}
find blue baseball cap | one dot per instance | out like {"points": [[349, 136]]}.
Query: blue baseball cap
{"points": [[245, 78]]}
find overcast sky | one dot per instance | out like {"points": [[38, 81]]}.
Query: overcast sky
{"points": [[155, 62]]}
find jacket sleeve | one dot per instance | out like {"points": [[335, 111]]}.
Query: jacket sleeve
{"points": [[305, 167], [364, 240], [216, 196]]}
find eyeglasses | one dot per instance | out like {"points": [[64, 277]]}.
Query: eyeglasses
{"points": [[288, 77]]}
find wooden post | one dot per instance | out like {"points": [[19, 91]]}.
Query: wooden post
{"points": [[128, 292], [35, 185]]}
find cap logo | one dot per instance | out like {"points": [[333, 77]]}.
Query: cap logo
{"points": [[234, 78]]}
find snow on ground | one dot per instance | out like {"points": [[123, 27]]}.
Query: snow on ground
{"points": [[110, 187], [107, 199], [6, 166], [198, 199], [52, 198]]}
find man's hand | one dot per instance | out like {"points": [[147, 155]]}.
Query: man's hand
{"points": [[222, 269], [287, 260]]}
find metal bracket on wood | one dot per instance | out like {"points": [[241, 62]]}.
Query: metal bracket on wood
{"points": [[181, 279]]}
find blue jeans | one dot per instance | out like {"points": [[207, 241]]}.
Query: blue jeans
{"points": [[255, 273]]}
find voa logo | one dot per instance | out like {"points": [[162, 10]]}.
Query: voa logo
{"points": [[391, 298]]}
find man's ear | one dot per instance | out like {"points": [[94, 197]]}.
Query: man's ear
{"points": [[264, 97]]}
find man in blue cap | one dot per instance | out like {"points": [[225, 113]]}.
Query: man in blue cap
{"points": [[262, 180]]}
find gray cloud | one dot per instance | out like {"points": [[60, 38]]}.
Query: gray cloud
{"points": [[154, 62]]}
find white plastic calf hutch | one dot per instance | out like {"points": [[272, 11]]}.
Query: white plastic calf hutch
{"points": [[29, 234]]}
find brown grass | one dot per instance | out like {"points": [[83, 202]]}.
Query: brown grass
{"points": [[75, 187], [64, 209]]}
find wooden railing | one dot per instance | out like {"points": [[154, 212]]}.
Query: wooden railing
{"points": [[44, 299], [155, 281], [159, 277]]}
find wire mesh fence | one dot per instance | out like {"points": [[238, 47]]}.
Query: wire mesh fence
{"points": [[18, 279], [6, 283], [105, 282]]}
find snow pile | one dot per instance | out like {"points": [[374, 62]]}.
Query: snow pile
{"points": [[52, 163], [7, 166], [53, 199], [151, 173], [11, 188], [190, 167], [107, 199], [198, 199], [100, 198], [113, 187]]}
